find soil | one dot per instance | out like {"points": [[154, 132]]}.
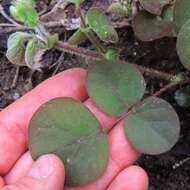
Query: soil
{"points": [[160, 54]]}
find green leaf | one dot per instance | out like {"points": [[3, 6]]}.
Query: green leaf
{"points": [[52, 40], [119, 9], [24, 11], [183, 45], [99, 23], [181, 13], [112, 54], [154, 6], [114, 86], [67, 128], [153, 127], [182, 96], [168, 13], [148, 27], [78, 37], [33, 54], [16, 47]]}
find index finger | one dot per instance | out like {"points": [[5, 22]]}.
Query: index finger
{"points": [[14, 119]]}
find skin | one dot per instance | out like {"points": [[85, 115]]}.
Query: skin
{"points": [[19, 171]]}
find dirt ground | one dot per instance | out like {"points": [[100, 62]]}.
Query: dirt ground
{"points": [[160, 54]]}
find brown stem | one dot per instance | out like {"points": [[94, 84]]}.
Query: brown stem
{"points": [[155, 73], [165, 88], [78, 51]]}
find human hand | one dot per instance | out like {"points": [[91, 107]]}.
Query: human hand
{"points": [[20, 172]]}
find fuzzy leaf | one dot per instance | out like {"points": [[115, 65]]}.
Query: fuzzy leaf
{"points": [[16, 47], [148, 27], [52, 40], [23, 10], [119, 9], [78, 37], [154, 6], [181, 13], [183, 45], [67, 128], [153, 127], [99, 23], [182, 96], [114, 86], [33, 54]]}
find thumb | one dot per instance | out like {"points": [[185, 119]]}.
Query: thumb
{"points": [[47, 173]]}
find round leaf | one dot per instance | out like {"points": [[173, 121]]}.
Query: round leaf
{"points": [[16, 47], [181, 13], [99, 23], [154, 6], [114, 86], [183, 45], [67, 128], [148, 27], [153, 127], [182, 96], [34, 53]]}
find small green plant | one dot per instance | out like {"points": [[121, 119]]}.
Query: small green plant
{"points": [[116, 87], [26, 48]]}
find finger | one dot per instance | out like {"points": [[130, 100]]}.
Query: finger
{"points": [[15, 118], [121, 155], [105, 120], [20, 169], [131, 178], [1, 182], [47, 173]]}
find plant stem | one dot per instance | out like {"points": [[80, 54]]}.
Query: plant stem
{"points": [[165, 88], [94, 40], [78, 51], [155, 73]]}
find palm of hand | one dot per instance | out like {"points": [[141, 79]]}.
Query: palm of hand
{"points": [[119, 175]]}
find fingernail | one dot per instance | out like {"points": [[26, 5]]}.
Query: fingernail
{"points": [[42, 168]]}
